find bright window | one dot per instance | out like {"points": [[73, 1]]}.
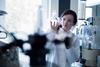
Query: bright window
{"points": [[22, 15], [88, 12]]}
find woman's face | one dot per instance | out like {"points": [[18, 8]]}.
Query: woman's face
{"points": [[67, 22]]}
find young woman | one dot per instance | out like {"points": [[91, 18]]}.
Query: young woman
{"points": [[63, 55]]}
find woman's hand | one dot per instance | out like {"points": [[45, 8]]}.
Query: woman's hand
{"points": [[55, 26]]}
